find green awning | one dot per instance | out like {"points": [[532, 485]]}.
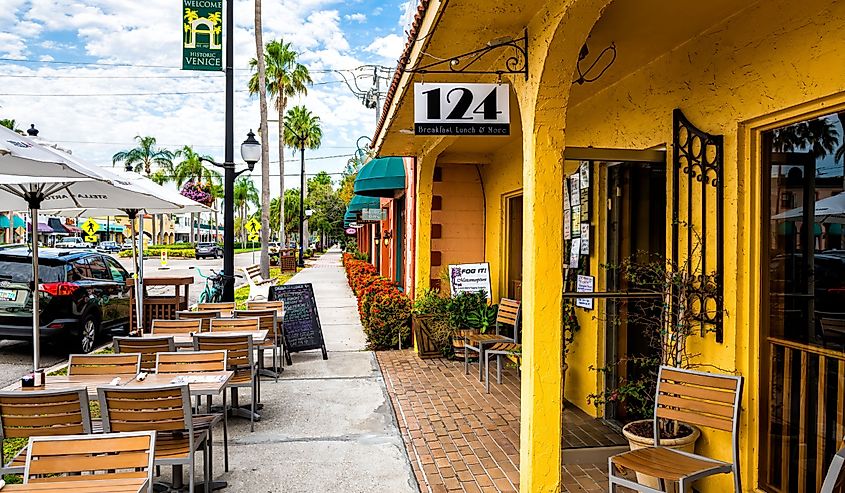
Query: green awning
{"points": [[381, 177], [834, 229], [4, 222], [359, 203]]}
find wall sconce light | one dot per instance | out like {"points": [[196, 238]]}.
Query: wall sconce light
{"points": [[377, 240], [387, 235]]}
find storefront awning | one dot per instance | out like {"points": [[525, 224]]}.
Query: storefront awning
{"points": [[42, 228], [73, 229], [4, 222], [349, 218], [381, 177], [359, 203]]}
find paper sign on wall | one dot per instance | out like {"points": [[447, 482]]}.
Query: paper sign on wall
{"points": [[470, 278], [585, 238], [576, 221], [575, 253], [567, 224], [585, 284]]}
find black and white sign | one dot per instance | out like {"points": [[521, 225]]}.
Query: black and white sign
{"points": [[585, 284], [470, 278], [461, 109]]}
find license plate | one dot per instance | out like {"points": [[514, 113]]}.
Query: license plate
{"points": [[8, 295]]}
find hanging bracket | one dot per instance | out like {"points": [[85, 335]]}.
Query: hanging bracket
{"points": [[515, 63]]}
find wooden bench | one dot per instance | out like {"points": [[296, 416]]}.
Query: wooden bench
{"points": [[258, 286]]}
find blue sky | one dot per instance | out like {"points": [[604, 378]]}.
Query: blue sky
{"points": [[123, 70]]}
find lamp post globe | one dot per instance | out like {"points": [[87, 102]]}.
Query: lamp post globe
{"points": [[251, 150]]}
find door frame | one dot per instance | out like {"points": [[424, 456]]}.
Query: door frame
{"points": [[504, 247]]}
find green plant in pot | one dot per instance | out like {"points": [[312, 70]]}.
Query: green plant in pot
{"points": [[668, 320], [430, 319]]}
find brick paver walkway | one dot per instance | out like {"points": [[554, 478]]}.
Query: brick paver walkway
{"points": [[461, 439]]}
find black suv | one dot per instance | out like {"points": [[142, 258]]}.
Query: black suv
{"points": [[208, 249], [83, 294]]}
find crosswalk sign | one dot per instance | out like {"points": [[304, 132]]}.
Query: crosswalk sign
{"points": [[253, 237], [90, 227], [253, 227], [91, 239]]}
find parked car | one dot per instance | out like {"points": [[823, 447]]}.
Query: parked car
{"points": [[108, 247], [72, 242], [126, 245], [274, 247], [205, 250], [84, 295]]}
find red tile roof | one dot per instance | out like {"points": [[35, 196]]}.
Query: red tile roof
{"points": [[403, 63]]}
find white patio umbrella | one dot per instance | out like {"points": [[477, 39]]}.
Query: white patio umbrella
{"points": [[21, 155], [176, 203], [827, 210], [101, 188]]}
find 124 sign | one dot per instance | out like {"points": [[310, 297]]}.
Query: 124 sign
{"points": [[461, 109]]}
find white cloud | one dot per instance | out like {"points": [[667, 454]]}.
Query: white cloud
{"points": [[12, 46], [356, 17], [46, 58], [388, 47]]}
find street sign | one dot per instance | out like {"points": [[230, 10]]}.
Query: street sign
{"points": [[373, 215], [253, 227], [252, 237], [91, 239], [351, 231], [461, 109], [90, 227], [202, 34]]}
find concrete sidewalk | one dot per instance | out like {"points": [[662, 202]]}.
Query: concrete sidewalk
{"points": [[327, 426]]}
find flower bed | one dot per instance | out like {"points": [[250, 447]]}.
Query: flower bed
{"points": [[385, 311]]}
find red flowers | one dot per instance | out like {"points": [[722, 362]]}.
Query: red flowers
{"points": [[384, 310]]}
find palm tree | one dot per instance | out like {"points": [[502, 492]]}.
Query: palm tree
{"points": [[143, 157], [265, 145], [286, 78], [245, 195], [160, 177], [191, 169], [302, 130]]}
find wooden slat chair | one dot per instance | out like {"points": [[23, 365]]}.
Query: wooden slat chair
{"points": [[39, 413], [507, 314], [832, 327], [279, 306], [224, 308], [104, 364], [241, 324], [178, 326], [258, 286], [239, 359], [165, 410], [77, 457], [200, 362], [206, 316], [693, 397], [267, 320], [834, 480], [147, 347]]}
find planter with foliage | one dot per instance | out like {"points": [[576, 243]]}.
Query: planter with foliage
{"points": [[432, 332], [385, 311]]}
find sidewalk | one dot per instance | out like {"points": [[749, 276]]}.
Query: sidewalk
{"points": [[327, 426]]}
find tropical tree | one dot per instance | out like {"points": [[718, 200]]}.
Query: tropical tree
{"points": [[291, 210], [245, 195], [286, 78], [265, 145], [144, 156], [190, 169], [160, 177], [302, 131]]}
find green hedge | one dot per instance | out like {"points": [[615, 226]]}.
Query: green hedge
{"points": [[155, 251]]}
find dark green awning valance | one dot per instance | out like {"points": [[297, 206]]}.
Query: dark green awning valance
{"points": [[381, 177], [359, 203]]}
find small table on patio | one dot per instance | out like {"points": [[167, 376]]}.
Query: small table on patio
{"points": [[61, 382], [93, 485], [186, 340], [480, 340]]}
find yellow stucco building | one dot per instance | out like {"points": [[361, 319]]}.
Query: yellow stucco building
{"points": [[764, 84]]}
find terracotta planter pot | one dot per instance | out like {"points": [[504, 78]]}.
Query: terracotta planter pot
{"points": [[684, 444]]}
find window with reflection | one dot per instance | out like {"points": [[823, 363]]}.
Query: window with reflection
{"points": [[804, 289]]}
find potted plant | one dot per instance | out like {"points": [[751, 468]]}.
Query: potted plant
{"points": [[669, 321], [430, 321]]}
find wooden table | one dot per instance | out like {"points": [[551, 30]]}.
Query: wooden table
{"points": [[186, 339], [61, 382], [197, 388], [127, 485]]}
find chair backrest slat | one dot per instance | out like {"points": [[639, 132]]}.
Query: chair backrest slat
{"points": [[235, 324], [147, 347], [267, 319], [44, 412], [206, 316], [166, 408], [238, 348], [178, 326], [104, 364], [118, 455], [191, 362], [698, 398], [224, 308], [254, 272], [277, 305]]}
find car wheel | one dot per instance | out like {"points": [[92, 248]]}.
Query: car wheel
{"points": [[88, 334]]}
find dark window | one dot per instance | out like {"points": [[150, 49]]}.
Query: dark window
{"points": [[79, 270], [98, 269], [20, 270], [118, 273]]}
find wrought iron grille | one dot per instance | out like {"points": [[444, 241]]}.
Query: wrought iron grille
{"points": [[698, 218]]}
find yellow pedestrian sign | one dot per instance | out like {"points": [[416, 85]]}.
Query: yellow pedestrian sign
{"points": [[91, 239], [253, 227], [90, 227]]}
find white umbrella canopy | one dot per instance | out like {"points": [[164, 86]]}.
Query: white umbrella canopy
{"points": [[827, 210], [21, 155]]}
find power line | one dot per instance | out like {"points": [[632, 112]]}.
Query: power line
{"points": [[164, 144], [123, 94], [106, 64]]}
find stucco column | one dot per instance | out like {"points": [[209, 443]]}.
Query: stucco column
{"points": [[425, 176]]}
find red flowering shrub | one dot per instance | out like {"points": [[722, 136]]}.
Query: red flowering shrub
{"points": [[385, 311]]}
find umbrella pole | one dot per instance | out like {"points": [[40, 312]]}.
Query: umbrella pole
{"points": [[135, 265], [140, 296], [36, 294]]}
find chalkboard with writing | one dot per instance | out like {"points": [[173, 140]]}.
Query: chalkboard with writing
{"points": [[302, 329]]}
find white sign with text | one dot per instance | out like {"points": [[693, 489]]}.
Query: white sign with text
{"points": [[461, 109], [470, 278]]}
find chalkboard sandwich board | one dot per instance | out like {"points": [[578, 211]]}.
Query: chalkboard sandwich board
{"points": [[302, 329]]}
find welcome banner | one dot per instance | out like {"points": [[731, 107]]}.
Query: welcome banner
{"points": [[202, 36]]}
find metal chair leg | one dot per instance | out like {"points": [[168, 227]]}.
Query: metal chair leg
{"points": [[206, 458], [499, 369], [191, 472], [487, 374], [252, 405], [225, 434], [466, 359]]}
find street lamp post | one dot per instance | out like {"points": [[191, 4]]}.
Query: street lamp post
{"points": [[301, 201], [251, 154]]}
